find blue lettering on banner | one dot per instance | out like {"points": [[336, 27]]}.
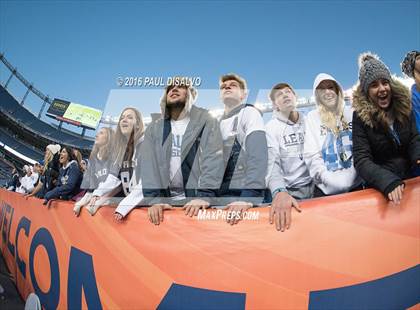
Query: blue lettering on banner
{"points": [[10, 246], [82, 277], [81, 273], [187, 297], [398, 291], [7, 224], [49, 299], [4, 222], [2, 213], [24, 224]]}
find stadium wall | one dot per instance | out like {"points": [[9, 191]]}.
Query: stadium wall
{"points": [[354, 250]]}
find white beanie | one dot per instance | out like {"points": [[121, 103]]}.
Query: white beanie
{"points": [[54, 148]]}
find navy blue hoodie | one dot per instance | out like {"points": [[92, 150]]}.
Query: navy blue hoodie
{"points": [[69, 181]]}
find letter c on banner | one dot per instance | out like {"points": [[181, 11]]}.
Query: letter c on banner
{"points": [[24, 224], [49, 299]]}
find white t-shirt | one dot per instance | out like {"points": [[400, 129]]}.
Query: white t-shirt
{"points": [[246, 121], [176, 183]]}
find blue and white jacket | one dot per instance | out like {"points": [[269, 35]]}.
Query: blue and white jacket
{"points": [[68, 182]]}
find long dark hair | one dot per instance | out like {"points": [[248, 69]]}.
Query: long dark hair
{"points": [[71, 154]]}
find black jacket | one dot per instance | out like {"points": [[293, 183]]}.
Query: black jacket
{"points": [[382, 159], [50, 176]]}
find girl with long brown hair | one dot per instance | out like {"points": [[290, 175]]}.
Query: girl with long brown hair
{"points": [[386, 140], [124, 174]]}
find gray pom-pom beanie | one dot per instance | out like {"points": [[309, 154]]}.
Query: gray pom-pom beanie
{"points": [[371, 68]]}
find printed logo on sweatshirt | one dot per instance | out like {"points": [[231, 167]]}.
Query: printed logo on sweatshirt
{"points": [[324, 130], [128, 180], [176, 145], [128, 175], [64, 179], [101, 173], [293, 139], [126, 163], [337, 151]]}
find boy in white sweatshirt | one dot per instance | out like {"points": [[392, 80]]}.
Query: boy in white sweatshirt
{"points": [[328, 140], [288, 177], [28, 180]]}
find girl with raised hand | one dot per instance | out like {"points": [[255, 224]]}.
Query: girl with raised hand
{"points": [[69, 179], [124, 168]]}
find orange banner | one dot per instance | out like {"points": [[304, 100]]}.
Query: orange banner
{"points": [[351, 250]]}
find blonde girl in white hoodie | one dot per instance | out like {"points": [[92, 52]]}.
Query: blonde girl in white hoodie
{"points": [[328, 140]]}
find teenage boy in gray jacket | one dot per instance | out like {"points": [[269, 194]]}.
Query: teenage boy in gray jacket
{"points": [[244, 148], [182, 163]]}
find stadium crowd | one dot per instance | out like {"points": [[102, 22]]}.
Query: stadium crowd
{"points": [[189, 159]]}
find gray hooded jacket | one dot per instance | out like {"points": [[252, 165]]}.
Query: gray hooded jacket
{"points": [[201, 155]]}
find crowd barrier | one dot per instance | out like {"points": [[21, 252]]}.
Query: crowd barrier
{"points": [[354, 250]]}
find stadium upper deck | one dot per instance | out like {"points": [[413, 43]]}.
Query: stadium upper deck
{"points": [[24, 136], [10, 108]]}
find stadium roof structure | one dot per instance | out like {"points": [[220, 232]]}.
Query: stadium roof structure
{"points": [[11, 108]]}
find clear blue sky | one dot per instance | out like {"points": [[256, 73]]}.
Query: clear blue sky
{"points": [[76, 50]]}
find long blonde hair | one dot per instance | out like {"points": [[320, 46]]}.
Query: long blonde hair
{"points": [[125, 147], [333, 120], [48, 157], [103, 151]]}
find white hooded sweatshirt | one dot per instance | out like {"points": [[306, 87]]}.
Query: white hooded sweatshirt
{"points": [[286, 165], [27, 182], [329, 155]]}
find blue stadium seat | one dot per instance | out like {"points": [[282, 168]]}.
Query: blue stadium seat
{"points": [[20, 146]]}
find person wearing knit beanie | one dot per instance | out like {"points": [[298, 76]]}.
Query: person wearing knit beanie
{"points": [[54, 148], [386, 143], [371, 69], [411, 67]]}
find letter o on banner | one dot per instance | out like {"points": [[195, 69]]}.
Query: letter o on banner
{"points": [[49, 299]]}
